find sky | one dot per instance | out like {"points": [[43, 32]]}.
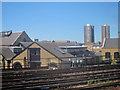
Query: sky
{"points": [[59, 20]]}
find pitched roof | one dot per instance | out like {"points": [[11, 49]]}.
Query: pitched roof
{"points": [[25, 44], [112, 43], [63, 43], [11, 39], [52, 48], [7, 53]]}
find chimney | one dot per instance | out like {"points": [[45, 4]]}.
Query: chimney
{"points": [[53, 40], [36, 40]]}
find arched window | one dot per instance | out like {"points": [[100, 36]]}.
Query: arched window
{"points": [[116, 55], [17, 66], [107, 55]]}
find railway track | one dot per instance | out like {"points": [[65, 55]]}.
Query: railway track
{"points": [[38, 72], [79, 79], [63, 75]]}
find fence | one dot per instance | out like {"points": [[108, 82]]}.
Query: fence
{"points": [[54, 63]]}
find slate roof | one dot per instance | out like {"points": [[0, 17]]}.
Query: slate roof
{"points": [[52, 48], [10, 39], [25, 44], [7, 53], [13, 38], [113, 43]]}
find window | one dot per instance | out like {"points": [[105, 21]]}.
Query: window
{"points": [[107, 55], [35, 51], [116, 55]]}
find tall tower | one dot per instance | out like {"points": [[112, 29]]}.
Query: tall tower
{"points": [[105, 32], [88, 34]]}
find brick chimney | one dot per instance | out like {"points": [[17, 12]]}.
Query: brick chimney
{"points": [[36, 40]]}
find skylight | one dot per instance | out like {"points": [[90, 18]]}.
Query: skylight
{"points": [[59, 50]]}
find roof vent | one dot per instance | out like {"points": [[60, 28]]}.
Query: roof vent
{"points": [[5, 33]]}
